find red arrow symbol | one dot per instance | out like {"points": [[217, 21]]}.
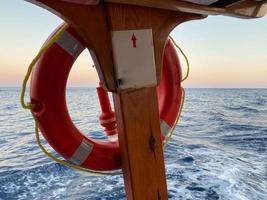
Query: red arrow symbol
{"points": [[134, 40]]}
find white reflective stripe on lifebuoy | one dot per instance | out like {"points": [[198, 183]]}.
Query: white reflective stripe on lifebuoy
{"points": [[108, 120], [164, 128], [81, 153], [70, 44]]}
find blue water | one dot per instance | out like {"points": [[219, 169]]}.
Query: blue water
{"points": [[219, 150]]}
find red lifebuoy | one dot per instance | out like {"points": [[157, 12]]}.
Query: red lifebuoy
{"points": [[48, 87]]}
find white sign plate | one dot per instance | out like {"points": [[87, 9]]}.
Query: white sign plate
{"points": [[133, 53]]}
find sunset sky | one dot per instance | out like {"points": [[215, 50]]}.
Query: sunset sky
{"points": [[223, 51]]}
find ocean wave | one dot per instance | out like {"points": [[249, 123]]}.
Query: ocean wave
{"points": [[259, 101], [245, 109], [218, 117], [232, 127]]}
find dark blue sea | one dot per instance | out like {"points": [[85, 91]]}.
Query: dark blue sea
{"points": [[219, 150]]}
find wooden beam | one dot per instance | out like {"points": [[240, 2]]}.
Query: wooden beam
{"points": [[141, 144], [137, 111]]}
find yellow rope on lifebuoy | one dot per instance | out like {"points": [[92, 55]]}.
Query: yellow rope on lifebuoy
{"points": [[30, 68], [185, 57], [183, 92], [30, 106], [177, 119]]}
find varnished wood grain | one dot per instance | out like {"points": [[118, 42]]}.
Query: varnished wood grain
{"points": [[137, 111], [141, 145]]}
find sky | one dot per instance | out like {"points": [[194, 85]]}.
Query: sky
{"points": [[224, 52]]}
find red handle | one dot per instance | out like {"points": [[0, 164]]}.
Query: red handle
{"points": [[107, 117]]}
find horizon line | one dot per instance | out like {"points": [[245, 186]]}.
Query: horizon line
{"points": [[94, 86]]}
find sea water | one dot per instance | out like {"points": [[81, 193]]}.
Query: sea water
{"points": [[218, 151]]}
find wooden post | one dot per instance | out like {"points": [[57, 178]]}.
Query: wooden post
{"points": [[136, 109], [141, 144]]}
